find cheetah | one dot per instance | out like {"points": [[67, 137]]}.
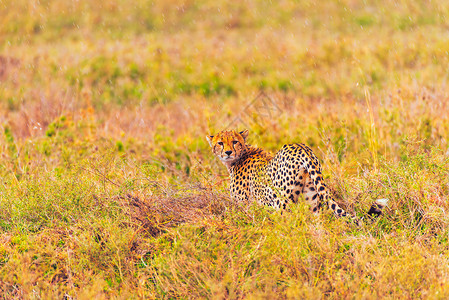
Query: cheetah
{"points": [[276, 180]]}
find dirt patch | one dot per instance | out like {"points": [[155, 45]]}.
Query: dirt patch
{"points": [[156, 214]]}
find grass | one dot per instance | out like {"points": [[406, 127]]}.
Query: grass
{"points": [[108, 186]]}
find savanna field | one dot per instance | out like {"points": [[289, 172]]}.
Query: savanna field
{"points": [[109, 188]]}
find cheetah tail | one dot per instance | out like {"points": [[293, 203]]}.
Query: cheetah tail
{"points": [[377, 207], [375, 211]]}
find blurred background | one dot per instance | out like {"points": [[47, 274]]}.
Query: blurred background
{"points": [[174, 68]]}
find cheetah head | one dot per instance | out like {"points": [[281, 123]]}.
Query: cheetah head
{"points": [[228, 145]]}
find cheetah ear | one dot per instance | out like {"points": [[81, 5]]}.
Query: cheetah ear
{"points": [[209, 139], [244, 134]]}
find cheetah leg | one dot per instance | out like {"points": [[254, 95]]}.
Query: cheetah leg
{"points": [[298, 186], [283, 192], [306, 186], [316, 188], [315, 199], [310, 194]]}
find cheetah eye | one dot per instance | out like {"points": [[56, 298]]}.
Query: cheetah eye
{"points": [[220, 143], [234, 142]]}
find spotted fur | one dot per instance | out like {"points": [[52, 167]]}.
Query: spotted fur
{"points": [[256, 175]]}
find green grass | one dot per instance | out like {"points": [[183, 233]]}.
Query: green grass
{"points": [[108, 186]]}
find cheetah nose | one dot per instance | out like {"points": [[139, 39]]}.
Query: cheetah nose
{"points": [[228, 152]]}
